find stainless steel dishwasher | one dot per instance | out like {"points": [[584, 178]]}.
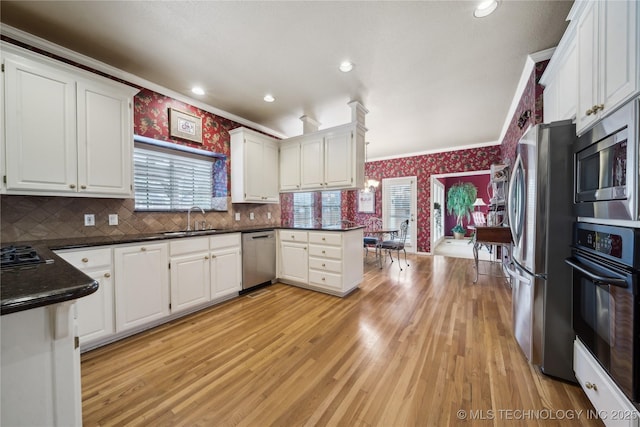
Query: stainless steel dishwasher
{"points": [[258, 258]]}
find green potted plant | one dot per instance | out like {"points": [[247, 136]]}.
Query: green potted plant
{"points": [[460, 199]]}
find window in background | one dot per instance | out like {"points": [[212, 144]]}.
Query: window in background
{"points": [[171, 177], [331, 211], [303, 208]]}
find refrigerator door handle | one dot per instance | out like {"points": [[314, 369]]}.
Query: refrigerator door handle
{"points": [[515, 213], [596, 278], [514, 274]]}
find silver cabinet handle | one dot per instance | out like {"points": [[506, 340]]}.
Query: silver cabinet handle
{"points": [[107, 275], [143, 249], [72, 186], [85, 260], [591, 386]]}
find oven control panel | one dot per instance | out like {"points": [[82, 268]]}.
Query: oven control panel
{"points": [[606, 243]]}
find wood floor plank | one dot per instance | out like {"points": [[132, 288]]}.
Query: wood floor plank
{"points": [[408, 348]]}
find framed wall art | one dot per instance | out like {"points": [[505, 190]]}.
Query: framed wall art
{"points": [[366, 201], [185, 126]]}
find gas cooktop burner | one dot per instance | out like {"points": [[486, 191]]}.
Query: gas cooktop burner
{"points": [[19, 255]]}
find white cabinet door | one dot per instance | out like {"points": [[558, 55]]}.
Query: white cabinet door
{"points": [[312, 163], [587, 45], [226, 272], [104, 140], [189, 281], [142, 288], [270, 165], [567, 85], [294, 261], [95, 311], [290, 166], [253, 168], [618, 52], [338, 159], [40, 127]]}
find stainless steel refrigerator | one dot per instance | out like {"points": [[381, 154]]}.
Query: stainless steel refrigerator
{"points": [[540, 216]]}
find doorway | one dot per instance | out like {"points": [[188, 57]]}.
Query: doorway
{"points": [[399, 202], [437, 212]]}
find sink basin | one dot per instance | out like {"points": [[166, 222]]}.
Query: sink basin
{"points": [[175, 233], [187, 233]]}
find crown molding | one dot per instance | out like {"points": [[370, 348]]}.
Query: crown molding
{"points": [[436, 151], [47, 46]]}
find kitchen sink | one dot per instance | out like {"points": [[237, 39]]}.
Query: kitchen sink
{"points": [[187, 233]]}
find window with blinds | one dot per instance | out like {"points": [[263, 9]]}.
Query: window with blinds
{"points": [[331, 212], [397, 204], [174, 178], [303, 208]]}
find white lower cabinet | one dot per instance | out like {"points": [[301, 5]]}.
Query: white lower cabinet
{"points": [[226, 265], [95, 312], [40, 364], [190, 273], [294, 257], [142, 285], [613, 408], [327, 261]]}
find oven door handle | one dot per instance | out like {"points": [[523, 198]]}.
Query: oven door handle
{"points": [[622, 283]]}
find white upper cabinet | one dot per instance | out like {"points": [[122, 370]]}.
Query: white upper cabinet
{"points": [[607, 58], [67, 131], [254, 167], [323, 160], [561, 87], [290, 166]]}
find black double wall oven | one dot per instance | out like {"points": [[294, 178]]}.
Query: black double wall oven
{"points": [[606, 299]]}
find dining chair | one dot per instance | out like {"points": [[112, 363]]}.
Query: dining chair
{"points": [[371, 224], [397, 244]]}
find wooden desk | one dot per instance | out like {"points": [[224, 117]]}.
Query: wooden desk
{"points": [[489, 236]]}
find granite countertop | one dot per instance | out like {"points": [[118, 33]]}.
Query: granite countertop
{"points": [[27, 287]]}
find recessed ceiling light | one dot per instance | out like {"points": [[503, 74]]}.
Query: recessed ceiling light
{"points": [[485, 8], [346, 66], [197, 90], [269, 98]]}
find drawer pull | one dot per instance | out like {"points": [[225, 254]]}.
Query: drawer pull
{"points": [[293, 237], [84, 187], [323, 264], [323, 239], [206, 257], [143, 249], [85, 259], [323, 252], [107, 275], [323, 279], [72, 186], [591, 386], [589, 111]]}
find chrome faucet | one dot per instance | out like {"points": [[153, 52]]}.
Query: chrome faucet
{"points": [[189, 215]]}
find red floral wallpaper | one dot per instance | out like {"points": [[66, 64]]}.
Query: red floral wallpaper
{"points": [[531, 100]]}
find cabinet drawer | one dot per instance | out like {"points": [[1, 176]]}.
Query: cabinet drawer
{"points": [[326, 238], [187, 246], [325, 264], [87, 258], [293, 236], [326, 279], [325, 251], [601, 390], [225, 241]]}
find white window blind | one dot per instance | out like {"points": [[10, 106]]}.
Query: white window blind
{"points": [[331, 212], [397, 204], [303, 207], [166, 181]]}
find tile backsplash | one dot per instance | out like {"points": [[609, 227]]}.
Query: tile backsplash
{"points": [[46, 217]]}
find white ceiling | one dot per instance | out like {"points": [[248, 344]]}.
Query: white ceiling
{"points": [[432, 76]]}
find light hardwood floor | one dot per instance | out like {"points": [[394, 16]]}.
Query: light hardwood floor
{"points": [[410, 348]]}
